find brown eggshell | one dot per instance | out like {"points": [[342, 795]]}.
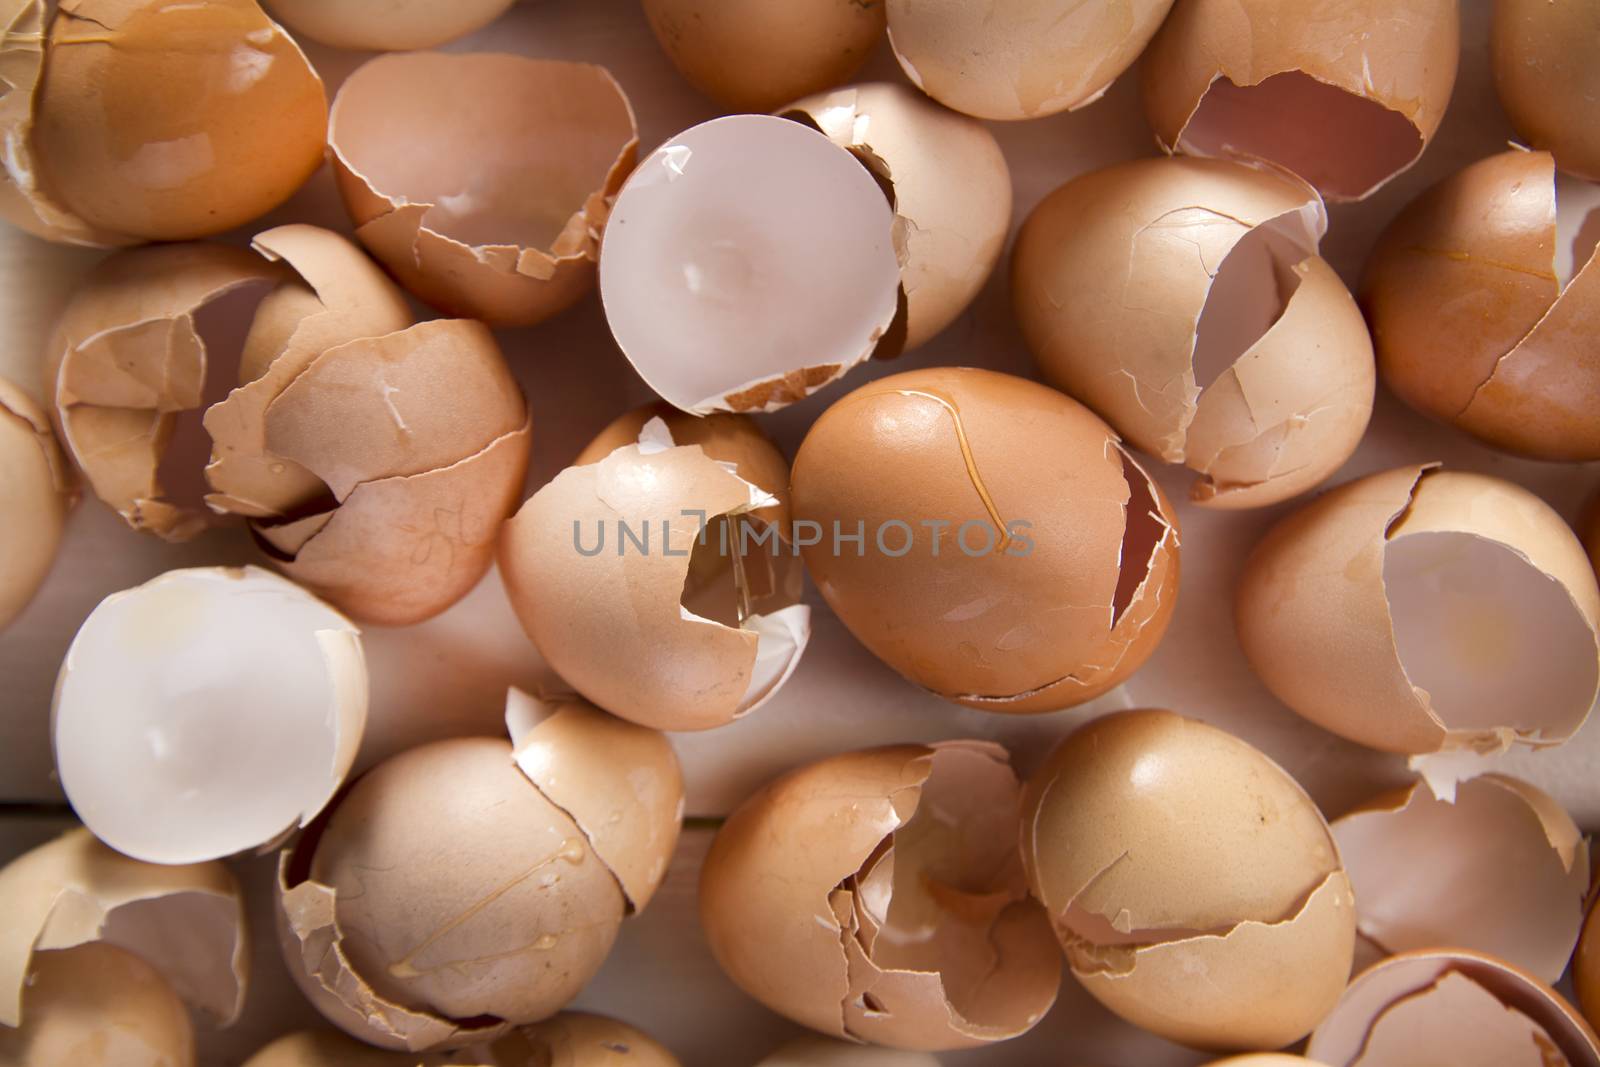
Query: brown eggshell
{"points": [[754, 56], [1543, 57], [1164, 848], [811, 890], [1471, 323], [1586, 966], [1256, 370], [1352, 608], [329, 1048], [1045, 620], [949, 184], [1265, 1059], [1589, 531], [1021, 60], [159, 121], [501, 218], [826, 1052], [1345, 93], [36, 492], [579, 1039], [361, 25]]}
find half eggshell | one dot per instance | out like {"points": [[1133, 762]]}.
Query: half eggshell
{"points": [[827, 1052], [1265, 1059], [36, 492], [1543, 57], [570, 1039], [361, 25]]}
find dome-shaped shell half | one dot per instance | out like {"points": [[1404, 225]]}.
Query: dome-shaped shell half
{"points": [[36, 492], [1543, 54]]}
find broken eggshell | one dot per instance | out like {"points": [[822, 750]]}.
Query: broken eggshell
{"points": [[1543, 57], [1586, 964], [877, 896], [749, 261], [1482, 297], [36, 492], [1452, 1006], [1420, 610], [1255, 370], [1345, 93], [1013, 556], [386, 26], [1500, 868], [134, 120], [207, 712], [642, 583], [948, 183], [1021, 60], [827, 1052], [1265, 1059], [500, 219], [1163, 848]]}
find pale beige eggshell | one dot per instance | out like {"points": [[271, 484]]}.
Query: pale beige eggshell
{"points": [[949, 184], [792, 899], [1265, 1059], [36, 492], [1295, 395], [1472, 325], [1164, 848], [501, 218], [827, 1052], [330, 1048], [1315, 620], [755, 55], [385, 25], [1019, 60], [1543, 57], [1345, 93], [1501, 868], [581, 1039]]}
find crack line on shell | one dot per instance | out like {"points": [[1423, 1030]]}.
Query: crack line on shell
{"points": [[971, 463]]}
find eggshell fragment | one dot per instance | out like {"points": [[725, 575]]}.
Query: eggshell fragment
{"points": [[1420, 610], [825, 1052], [1265, 1059], [949, 185], [601, 568], [207, 712], [1501, 868], [1255, 368], [1543, 56], [1476, 322], [132, 120], [877, 896], [755, 56], [1012, 556], [1452, 1006], [748, 262], [36, 492], [385, 25], [1586, 966], [1164, 848], [571, 1039], [1020, 60], [1345, 93], [500, 219]]}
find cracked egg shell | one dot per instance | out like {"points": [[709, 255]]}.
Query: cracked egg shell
{"points": [[207, 712], [877, 896], [755, 56], [1452, 1006], [1479, 322], [500, 219], [570, 1039], [1586, 965], [1163, 848], [604, 570], [827, 1052], [136, 120], [1023, 59], [36, 492], [748, 262], [1345, 93], [1058, 570], [386, 26], [1255, 370], [948, 183], [1500, 868], [1419, 610], [1544, 60], [1265, 1059]]}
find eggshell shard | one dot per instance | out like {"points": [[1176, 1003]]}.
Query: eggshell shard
{"points": [[1586, 966], [1475, 324], [755, 56], [1419, 610], [1256, 371], [1021, 60], [825, 1052], [1013, 557], [133, 121], [1500, 869], [207, 712], [877, 896], [640, 581], [500, 219], [36, 492], [1452, 1006], [748, 262], [1543, 60], [385, 26], [1265, 1059], [948, 183], [1345, 93]]}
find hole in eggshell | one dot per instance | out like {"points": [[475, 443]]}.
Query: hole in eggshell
{"points": [[1343, 144], [1577, 225], [1142, 534], [1248, 296]]}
